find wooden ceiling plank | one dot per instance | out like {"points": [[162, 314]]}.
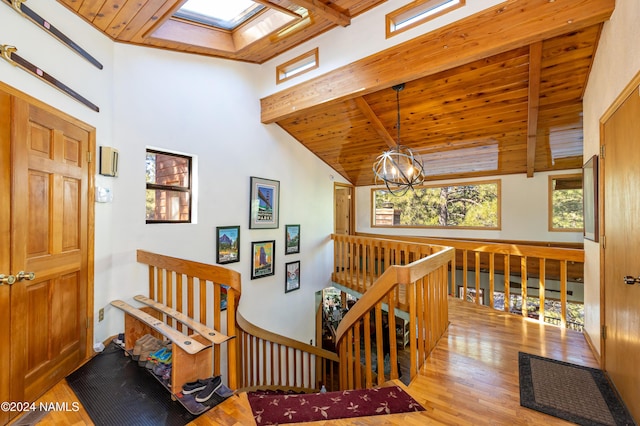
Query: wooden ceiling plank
{"points": [[375, 122], [510, 25], [325, 11], [535, 60]]}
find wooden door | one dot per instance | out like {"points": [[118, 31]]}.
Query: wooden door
{"points": [[621, 205], [343, 223], [49, 236]]}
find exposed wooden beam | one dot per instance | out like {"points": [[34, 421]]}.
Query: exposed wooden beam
{"points": [[512, 24], [327, 12], [535, 61], [364, 107], [278, 8]]}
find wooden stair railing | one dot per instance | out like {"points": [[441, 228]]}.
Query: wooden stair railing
{"points": [[202, 292], [526, 261], [261, 359], [270, 361], [362, 337]]}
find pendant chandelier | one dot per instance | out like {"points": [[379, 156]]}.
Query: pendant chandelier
{"points": [[398, 167]]}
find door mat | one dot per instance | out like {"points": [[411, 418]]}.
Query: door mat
{"points": [[116, 391], [270, 409], [571, 392]]}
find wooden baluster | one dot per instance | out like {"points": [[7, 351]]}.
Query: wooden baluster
{"points": [[232, 345], [492, 278], [202, 297], [152, 282], [356, 345], [523, 285], [563, 293], [476, 298], [412, 336], [465, 266], [160, 286], [366, 326], [541, 288], [179, 303], [420, 320], [392, 336], [169, 296], [379, 344], [507, 283]]}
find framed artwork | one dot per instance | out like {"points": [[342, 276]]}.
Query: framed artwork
{"points": [[223, 296], [292, 279], [264, 203], [292, 239], [590, 198], [227, 244], [263, 258]]}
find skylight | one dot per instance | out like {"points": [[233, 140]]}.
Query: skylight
{"points": [[223, 14]]}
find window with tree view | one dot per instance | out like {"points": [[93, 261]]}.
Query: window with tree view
{"points": [[168, 187], [467, 205], [565, 201]]}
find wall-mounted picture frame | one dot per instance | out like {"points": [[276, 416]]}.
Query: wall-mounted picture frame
{"points": [[263, 262], [590, 198], [264, 203], [292, 276], [227, 244], [292, 239]]}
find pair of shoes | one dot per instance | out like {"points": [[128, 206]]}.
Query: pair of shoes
{"points": [[161, 370], [137, 348], [212, 386], [193, 387], [147, 349], [162, 356]]}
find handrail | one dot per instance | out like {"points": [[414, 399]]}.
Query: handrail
{"points": [[425, 283], [204, 285], [270, 361], [479, 261]]}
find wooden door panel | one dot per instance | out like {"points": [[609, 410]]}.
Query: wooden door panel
{"points": [[621, 213], [5, 245], [51, 191]]}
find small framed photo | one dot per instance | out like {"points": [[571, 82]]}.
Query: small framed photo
{"points": [[292, 239], [264, 203], [292, 279], [227, 244], [263, 258]]}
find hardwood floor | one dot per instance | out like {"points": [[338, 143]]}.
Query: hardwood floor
{"points": [[471, 378]]}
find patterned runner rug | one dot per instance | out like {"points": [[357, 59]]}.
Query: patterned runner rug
{"points": [[571, 392], [272, 409]]}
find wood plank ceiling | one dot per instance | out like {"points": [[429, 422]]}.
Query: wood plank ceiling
{"points": [[499, 92]]}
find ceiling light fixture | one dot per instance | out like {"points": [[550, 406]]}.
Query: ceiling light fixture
{"points": [[398, 167]]}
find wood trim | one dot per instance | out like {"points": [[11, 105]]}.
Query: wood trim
{"points": [[535, 62], [377, 125], [325, 11], [513, 24]]}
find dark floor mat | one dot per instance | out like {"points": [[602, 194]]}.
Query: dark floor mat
{"points": [[116, 391]]}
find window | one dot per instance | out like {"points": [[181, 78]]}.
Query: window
{"points": [[565, 203], [303, 63], [219, 13], [418, 12], [168, 187], [467, 205]]}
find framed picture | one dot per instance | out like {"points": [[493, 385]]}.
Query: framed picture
{"points": [[264, 203], [292, 279], [590, 198], [227, 244], [292, 239], [263, 258]]}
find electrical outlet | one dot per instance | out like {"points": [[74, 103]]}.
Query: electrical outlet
{"points": [[100, 314]]}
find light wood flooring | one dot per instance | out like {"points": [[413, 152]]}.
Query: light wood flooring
{"points": [[471, 377]]}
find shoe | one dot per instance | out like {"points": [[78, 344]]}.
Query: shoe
{"points": [[193, 387], [211, 388], [148, 348], [137, 348]]}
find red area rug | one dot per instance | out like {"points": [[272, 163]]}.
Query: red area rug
{"points": [[273, 409]]}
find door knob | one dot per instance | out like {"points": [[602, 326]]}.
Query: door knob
{"points": [[630, 280], [7, 279], [28, 276]]}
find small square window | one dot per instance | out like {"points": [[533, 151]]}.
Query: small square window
{"points": [[418, 12], [168, 198], [303, 63]]}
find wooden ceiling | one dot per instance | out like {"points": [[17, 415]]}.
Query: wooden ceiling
{"points": [[499, 92], [278, 28]]}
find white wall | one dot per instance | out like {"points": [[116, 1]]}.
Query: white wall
{"points": [[616, 63], [196, 105], [524, 212]]}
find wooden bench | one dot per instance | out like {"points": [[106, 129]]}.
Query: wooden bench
{"points": [[208, 333], [192, 356]]}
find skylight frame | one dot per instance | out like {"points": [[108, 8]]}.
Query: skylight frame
{"points": [[204, 15]]}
